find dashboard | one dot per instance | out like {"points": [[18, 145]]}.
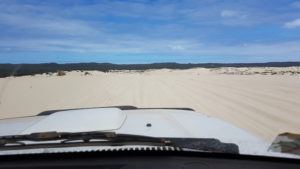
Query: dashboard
{"points": [[145, 160]]}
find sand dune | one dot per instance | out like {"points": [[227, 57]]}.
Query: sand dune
{"points": [[264, 104]]}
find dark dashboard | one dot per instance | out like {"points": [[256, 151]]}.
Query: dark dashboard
{"points": [[145, 160]]}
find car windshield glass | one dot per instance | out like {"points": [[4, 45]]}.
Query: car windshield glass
{"points": [[211, 69]]}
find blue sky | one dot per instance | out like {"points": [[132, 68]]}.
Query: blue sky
{"points": [[141, 31]]}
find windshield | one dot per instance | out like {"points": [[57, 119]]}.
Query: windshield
{"points": [[234, 65]]}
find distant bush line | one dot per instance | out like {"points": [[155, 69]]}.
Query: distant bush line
{"points": [[32, 69]]}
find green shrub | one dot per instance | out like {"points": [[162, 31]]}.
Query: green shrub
{"points": [[61, 73], [87, 73]]}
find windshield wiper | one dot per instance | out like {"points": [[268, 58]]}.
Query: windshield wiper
{"points": [[65, 139]]}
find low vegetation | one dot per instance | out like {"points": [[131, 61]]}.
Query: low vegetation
{"points": [[87, 73], [61, 73], [31, 69]]}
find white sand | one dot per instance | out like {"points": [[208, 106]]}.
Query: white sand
{"points": [[264, 105]]}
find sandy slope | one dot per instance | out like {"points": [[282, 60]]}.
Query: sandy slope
{"points": [[262, 104]]}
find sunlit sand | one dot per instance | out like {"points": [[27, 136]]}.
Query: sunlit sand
{"points": [[263, 101]]}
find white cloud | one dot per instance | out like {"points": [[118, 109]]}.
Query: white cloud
{"points": [[176, 47], [122, 44], [229, 13], [292, 24], [234, 18], [47, 25], [146, 46], [283, 49], [296, 4], [129, 9], [59, 29]]}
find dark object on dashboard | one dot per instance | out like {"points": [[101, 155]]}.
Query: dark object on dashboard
{"points": [[286, 143]]}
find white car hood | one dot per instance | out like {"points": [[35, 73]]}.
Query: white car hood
{"points": [[161, 123]]}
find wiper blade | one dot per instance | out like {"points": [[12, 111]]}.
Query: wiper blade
{"points": [[50, 136], [65, 139]]}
